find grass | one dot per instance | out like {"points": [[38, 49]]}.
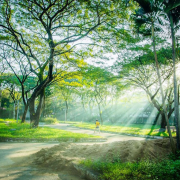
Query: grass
{"points": [[15, 130], [9, 120], [23, 131], [168, 169], [135, 129]]}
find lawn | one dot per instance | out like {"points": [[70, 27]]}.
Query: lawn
{"points": [[15, 130], [135, 129]]}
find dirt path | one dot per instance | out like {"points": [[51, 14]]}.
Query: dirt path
{"points": [[55, 161], [14, 159], [111, 137]]}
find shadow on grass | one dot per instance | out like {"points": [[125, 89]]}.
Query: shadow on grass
{"points": [[158, 133]]}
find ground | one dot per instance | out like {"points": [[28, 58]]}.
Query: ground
{"points": [[58, 160]]}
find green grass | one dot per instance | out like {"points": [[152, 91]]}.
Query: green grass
{"points": [[49, 120], [144, 170], [135, 129], [17, 130], [9, 120]]}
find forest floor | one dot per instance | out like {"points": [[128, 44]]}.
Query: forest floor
{"points": [[59, 161]]}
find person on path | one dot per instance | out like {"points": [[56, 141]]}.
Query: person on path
{"points": [[97, 126]]}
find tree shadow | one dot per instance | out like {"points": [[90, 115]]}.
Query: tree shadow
{"points": [[159, 133]]}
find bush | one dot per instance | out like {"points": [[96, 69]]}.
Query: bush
{"points": [[143, 170], [175, 156], [49, 120]]}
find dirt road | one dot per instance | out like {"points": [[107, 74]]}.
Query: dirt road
{"points": [[111, 137], [16, 159]]}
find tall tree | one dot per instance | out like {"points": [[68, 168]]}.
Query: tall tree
{"points": [[99, 90], [172, 9], [11, 84], [141, 72], [46, 32], [146, 16], [16, 63]]}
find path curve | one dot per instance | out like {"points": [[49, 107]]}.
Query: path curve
{"points": [[111, 137], [14, 162]]}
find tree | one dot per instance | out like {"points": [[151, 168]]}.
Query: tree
{"points": [[16, 63], [172, 9], [10, 84], [66, 89], [146, 15], [141, 73], [101, 79], [46, 33]]}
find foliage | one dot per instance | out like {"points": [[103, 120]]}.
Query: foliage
{"points": [[16, 130], [164, 57], [49, 120], [145, 169], [175, 156], [49, 36]]}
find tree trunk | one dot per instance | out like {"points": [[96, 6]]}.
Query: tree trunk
{"points": [[100, 113], [176, 103], [36, 113], [23, 116], [156, 119], [0, 94], [66, 110], [24, 113], [14, 107], [38, 91], [16, 110], [163, 120]]}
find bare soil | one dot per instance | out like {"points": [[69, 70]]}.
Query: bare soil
{"points": [[62, 157]]}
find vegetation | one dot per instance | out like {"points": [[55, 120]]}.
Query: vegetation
{"points": [[145, 169], [147, 79], [85, 59], [23, 132], [8, 120], [49, 120], [56, 28], [135, 129], [81, 60]]}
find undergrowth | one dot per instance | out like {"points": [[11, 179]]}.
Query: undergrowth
{"points": [[49, 120], [168, 169]]}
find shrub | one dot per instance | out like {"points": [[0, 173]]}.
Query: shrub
{"points": [[143, 170], [49, 120], [175, 156]]}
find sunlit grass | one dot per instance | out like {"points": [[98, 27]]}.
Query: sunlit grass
{"points": [[9, 120], [18, 130], [145, 169], [135, 129]]}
